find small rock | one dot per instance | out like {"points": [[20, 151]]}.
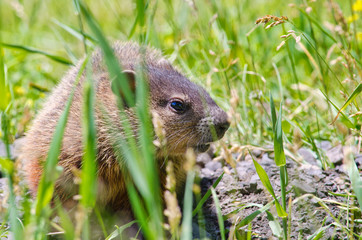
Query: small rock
{"points": [[254, 179], [265, 160], [328, 183], [325, 145], [341, 169], [242, 172], [211, 151], [203, 158], [205, 172], [358, 160], [213, 165], [308, 156], [335, 155], [254, 186], [313, 171], [301, 188], [248, 158], [257, 152]]}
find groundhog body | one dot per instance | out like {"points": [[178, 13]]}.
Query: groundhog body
{"points": [[188, 115]]}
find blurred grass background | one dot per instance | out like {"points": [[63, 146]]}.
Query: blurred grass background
{"points": [[216, 44], [312, 70]]}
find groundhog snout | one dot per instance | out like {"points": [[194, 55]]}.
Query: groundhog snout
{"points": [[221, 124]]}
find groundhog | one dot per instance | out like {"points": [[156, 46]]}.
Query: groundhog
{"points": [[187, 113]]}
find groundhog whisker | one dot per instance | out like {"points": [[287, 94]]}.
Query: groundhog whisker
{"points": [[178, 132], [181, 139]]}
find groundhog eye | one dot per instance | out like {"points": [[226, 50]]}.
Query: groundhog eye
{"points": [[178, 106]]}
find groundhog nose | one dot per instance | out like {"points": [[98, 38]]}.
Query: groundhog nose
{"points": [[221, 127]]}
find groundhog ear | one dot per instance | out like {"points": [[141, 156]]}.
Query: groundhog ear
{"points": [[131, 80]]}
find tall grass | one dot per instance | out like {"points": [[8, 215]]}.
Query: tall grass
{"points": [[311, 63]]}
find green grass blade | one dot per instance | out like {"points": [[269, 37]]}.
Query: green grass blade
{"points": [[7, 167], [274, 225], [219, 215], [245, 221], [206, 196], [345, 119], [266, 182], [112, 63], [354, 94], [315, 22], [140, 212], [66, 222], [75, 32], [148, 150], [354, 175], [186, 232], [89, 168], [46, 185], [37, 51], [278, 135], [119, 230], [4, 90]]}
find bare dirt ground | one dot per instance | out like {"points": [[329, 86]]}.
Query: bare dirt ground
{"points": [[314, 194]]}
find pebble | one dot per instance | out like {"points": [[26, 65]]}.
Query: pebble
{"points": [[328, 183], [213, 165], [203, 158], [325, 145], [335, 155], [266, 160], [257, 152], [358, 160], [207, 173], [308, 156], [302, 187]]}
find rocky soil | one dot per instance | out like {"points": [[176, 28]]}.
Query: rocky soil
{"points": [[310, 188]]}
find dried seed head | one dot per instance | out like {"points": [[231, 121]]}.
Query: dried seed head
{"points": [[190, 159], [234, 99], [227, 155], [159, 130], [280, 45], [172, 211], [170, 178], [268, 18]]}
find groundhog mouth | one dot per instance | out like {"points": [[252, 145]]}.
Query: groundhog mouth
{"points": [[202, 147]]}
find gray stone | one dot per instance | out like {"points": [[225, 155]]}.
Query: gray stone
{"points": [[257, 152], [203, 158], [302, 187], [213, 165], [242, 172], [266, 160], [205, 172], [335, 155], [358, 160], [254, 179], [328, 183], [308, 156], [325, 145]]}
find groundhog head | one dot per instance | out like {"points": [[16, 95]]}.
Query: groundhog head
{"points": [[188, 116]]}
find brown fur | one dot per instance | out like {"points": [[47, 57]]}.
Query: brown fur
{"points": [[190, 129]]}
